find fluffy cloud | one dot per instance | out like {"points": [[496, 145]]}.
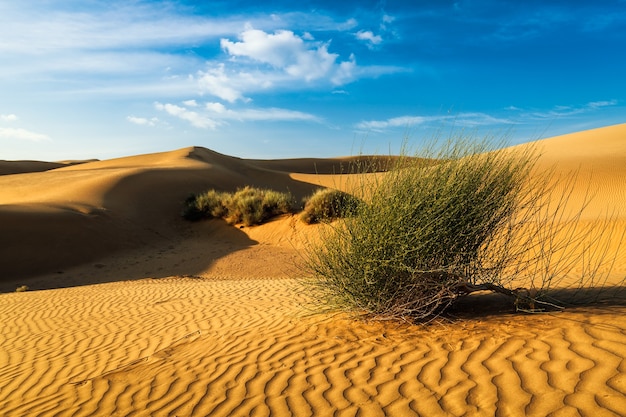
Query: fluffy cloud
{"points": [[19, 133], [215, 107], [196, 119], [369, 37], [300, 57], [22, 134], [287, 61], [229, 87], [279, 49], [142, 121]]}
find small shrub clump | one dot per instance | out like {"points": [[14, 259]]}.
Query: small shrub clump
{"points": [[247, 205], [205, 205], [327, 204]]}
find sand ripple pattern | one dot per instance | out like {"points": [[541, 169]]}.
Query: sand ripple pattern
{"points": [[189, 347]]}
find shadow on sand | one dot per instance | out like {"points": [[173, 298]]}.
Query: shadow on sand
{"points": [[486, 305], [137, 233]]}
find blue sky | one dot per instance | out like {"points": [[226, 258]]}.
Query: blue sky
{"points": [[276, 79]]}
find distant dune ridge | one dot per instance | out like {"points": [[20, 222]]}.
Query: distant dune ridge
{"points": [[223, 330]]}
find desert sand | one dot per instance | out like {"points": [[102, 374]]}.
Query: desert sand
{"points": [[133, 311]]}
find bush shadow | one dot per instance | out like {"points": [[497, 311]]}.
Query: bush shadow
{"points": [[487, 305]]}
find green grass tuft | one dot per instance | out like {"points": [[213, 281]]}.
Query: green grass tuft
{"points": [[327, 204]]}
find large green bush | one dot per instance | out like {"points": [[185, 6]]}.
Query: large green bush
{"points": [[432, 233]]}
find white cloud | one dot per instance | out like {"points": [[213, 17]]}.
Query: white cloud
{"points": [[8, 117], [190, 103], [269, 114], [142, 121], [458, 120], [402, 121], [119, 25], [287, 61], [138, 40], [214, 114], [196, 119], [228, 87], [348, 24], [22, 134], [112, 48], [215, 107], [388, 19], [279, 49], [560, 111], [369, 37], [299, 57], [314, 64], [599, 104], [478, 119], [345, 72]]}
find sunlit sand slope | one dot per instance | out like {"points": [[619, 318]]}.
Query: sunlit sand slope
{"points": [[597, 159]]}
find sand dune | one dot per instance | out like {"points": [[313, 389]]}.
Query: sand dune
{"points": [[206, 319], [21, 167], [598, 157], [90, 211]]}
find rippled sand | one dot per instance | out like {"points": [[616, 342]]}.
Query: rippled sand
{"points": [[248, 347]]}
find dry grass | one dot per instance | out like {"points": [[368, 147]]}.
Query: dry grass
{"points": [[327, 204], [247, 205]]}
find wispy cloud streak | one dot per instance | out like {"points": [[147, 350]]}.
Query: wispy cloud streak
{"points": [[211, 115]]}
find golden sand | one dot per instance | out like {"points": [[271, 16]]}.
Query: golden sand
{"points": [[144, 314]]}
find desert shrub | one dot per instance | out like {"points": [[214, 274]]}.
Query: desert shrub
{"points": [[253, 206], [209, 204], [247, 205], [327, 204], [432, 233], [190, 210]]}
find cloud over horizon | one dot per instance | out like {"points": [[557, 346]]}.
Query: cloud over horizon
{"points": [[8, 117], [460, 120], [22, 134], [212, 115]]}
